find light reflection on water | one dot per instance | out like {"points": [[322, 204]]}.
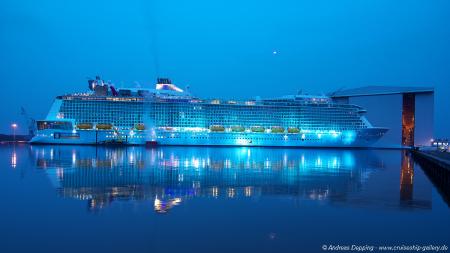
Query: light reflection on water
{"points": [[168, 176], [137, 199]]}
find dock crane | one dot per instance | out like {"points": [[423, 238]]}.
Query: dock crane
{"points": [[31, 123]]}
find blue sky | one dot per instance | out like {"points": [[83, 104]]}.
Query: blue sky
{"points": [[221, 48]]}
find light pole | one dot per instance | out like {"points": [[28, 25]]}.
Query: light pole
{"points": [[14, 126]]}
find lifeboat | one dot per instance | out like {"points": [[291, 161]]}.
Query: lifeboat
{"points": [[257, 129], [217, 128], [277, 129], [84, 126], [102, 126], [237, 129], [293, 130], [140, 127]]}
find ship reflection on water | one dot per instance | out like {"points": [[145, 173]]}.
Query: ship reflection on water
{"points": [[162, 206], [168, 176]]}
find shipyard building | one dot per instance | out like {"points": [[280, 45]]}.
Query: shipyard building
{"points": [[408, 112]]}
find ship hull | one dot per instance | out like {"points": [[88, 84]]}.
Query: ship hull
{"points": [[361, 138], [88, 137]]}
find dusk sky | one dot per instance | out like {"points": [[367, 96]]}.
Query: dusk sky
{"points": [[221, 48]]}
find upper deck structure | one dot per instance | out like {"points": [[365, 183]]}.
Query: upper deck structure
{"points": [[169, 115]]}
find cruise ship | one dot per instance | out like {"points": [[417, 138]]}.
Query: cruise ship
{"points": [[169, 115]]}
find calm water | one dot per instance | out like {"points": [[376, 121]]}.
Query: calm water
{"points": [[178, 199]]}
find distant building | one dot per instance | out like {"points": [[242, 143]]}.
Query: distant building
{"points": [[408, 112]]}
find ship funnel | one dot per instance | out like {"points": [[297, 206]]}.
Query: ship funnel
{"points": [[163, 80], [166, 84]]}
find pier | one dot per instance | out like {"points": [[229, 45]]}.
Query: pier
{"points": [[436, 165], [441, 159]]}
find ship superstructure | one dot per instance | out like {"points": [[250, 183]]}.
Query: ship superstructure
{"points": [[168, 115]]}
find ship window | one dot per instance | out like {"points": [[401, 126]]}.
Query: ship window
{"points": [[59, 125]]}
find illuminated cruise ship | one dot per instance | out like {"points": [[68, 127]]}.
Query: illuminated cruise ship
{"points": [[168, 115]]}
